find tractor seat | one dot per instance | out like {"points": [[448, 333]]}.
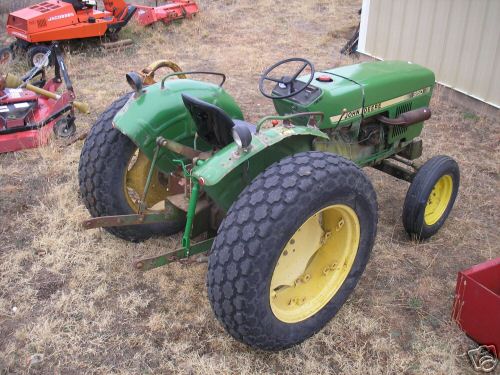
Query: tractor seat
{"points": [[77, 4], [213, 125]]}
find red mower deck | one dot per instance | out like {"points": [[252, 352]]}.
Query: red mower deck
{"points": [[174, 10], [477, 303]]}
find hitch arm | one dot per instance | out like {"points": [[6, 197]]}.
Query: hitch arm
{"points": [[147, 264]]}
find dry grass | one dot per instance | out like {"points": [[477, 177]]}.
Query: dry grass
{"points": [[72, 296]]}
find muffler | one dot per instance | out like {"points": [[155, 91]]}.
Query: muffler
{"points": [[407, 118]]}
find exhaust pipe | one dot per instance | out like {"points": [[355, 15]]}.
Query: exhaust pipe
{"points": [[407, 118]]}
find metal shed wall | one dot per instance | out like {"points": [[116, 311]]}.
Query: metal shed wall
{"points": [[458, 39]]}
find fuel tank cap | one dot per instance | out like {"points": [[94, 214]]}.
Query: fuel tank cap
{"points": [[324, 78]]}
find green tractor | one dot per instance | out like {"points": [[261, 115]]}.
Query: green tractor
{"points": [[285, 213]]}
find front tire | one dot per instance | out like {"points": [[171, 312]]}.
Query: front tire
{"points": [[272, 287], [104, 173], [430, 197], [36, 54]]}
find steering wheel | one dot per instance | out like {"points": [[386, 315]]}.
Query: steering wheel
{"points": [[286, 81]]}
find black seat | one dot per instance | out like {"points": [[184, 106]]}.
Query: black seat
{"points": [[213, 125], [77, 4]]}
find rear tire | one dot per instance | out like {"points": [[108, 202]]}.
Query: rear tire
{"points": [[103, 163], [254, 237], [430, 197]]}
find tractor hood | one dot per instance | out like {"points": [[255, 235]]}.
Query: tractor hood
{"points": [[44, 16], [339, 92]]}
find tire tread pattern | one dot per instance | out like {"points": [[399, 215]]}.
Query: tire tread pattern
{"points": [[233, 279], [105, 149], [419, 190]]}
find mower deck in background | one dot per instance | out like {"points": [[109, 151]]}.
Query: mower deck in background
{"points": [[173, 10], [29, 112], [36, 26]]}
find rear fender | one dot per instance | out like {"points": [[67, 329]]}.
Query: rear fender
{"points": [[229, 171], [161, 112]]}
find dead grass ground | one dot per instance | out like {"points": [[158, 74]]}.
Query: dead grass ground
{"points": [[72, 296]]}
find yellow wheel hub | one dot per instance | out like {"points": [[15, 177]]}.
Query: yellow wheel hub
{"points": [[438, 200], [134, 181], [315, 263]]}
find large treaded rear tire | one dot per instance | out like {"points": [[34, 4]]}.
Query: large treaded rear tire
{"points": [[258, 226], [103, 161]]}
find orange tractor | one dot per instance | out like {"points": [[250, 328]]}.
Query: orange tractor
{"points": [[36, 26]]}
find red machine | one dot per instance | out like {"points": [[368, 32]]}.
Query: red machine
{"points": [[36, 26], [166, 13], [477, 304], [30, 112]]}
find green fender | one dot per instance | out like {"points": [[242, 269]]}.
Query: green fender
{"points": [[230, 170], [161, 112]]}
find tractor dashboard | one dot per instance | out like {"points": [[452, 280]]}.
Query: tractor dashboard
{"points": [[305, 97]]}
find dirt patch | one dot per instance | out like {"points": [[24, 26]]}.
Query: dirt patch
{"points": [[47, 283]]}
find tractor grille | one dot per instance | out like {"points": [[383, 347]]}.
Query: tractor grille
{"points": [[42, 23], [17, 22], [399, 132], [44, 7], [403, 108]]}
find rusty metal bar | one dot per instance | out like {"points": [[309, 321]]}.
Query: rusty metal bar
{"points": [[395, 170], [124, 220], [178, 148], [147, 264]]}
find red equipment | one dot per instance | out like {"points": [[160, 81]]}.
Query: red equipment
{"points": [[176, 9], [67, 19], [477, 303], [36, 26], [29, 113]]}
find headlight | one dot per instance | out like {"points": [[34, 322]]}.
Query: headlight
{"points": [[242, 136]]}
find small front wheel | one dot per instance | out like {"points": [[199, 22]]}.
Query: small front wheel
{"points": [[65, 127], [431, 196], [37, 56], [291, 249]]}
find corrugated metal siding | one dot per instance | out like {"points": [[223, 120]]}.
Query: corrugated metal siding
{"points": [[458, 39]]}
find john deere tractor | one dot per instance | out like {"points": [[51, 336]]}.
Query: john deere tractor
{"points": [[282, 207]]}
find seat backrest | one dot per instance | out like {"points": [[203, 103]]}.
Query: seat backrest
{"points": [[213, 125], [77, 4]]}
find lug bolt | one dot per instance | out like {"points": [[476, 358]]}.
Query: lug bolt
{"points": [[329, 268], [340, 224]]}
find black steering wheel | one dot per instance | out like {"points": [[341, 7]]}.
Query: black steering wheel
{"points": [[286, 82]]}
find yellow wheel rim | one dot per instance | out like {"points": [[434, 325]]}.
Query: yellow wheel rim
{"points": [[134, 180], [315, 263], [438, 200]]}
